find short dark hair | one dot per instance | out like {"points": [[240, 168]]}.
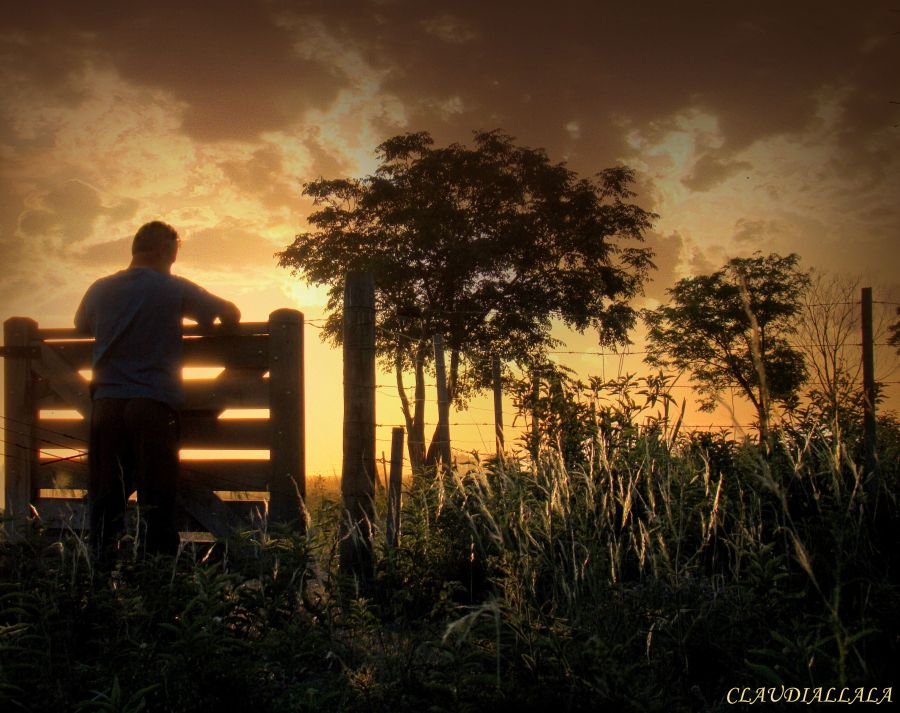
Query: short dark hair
{"points": [[151, 236]]}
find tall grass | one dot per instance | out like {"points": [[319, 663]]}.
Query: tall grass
{"points": [[655, 571]]}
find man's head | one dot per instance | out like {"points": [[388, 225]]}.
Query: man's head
{"points": [[155, 245]]}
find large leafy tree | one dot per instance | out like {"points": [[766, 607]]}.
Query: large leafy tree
{"points": [[734, 328], [484, 245]]}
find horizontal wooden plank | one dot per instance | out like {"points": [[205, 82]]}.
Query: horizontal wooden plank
{"points": [[216, 395], [228, 433], [196, 432], [228, 474], [59, 333], [214, 474], [244, 328], [220, 474], [249, 350], [63, 432], [48, 400], [235, 351], [69, 333], [209, 396]]}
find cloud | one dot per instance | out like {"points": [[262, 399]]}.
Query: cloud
{"points": [[67, 213], [228, 245], [214, 114], [263, 176], [234, 68], [667, 256], [710, 170], [111, 254], [450, 29], [754, 233], [756, 67], [242, 69]]}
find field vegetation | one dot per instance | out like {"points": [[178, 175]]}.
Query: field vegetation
{"points": [[631, 566]]}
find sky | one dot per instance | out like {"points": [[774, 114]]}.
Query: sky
{"points": [[770, 126]]}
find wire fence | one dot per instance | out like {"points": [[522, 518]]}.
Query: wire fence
{"points": [[50, 440]]}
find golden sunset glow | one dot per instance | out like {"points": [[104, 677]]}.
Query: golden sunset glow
{"points": [[765, 127]]}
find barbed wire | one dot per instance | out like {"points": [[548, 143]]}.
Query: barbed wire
{"points": [[588, 315]]}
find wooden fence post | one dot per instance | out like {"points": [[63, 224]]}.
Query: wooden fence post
{"points": [[392, 530], [868, 354], [287, 501], [358, 470], [21, 459], [498, 403], [443, 402]]}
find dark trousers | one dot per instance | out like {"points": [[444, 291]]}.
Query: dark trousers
{"points": [[133, 446]]}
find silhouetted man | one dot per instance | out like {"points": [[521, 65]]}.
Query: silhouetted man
{"points": [[135, 317]]}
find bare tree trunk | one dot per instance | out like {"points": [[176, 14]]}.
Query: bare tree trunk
{"points": [[756, 349], [415, 416], [434, 445]]}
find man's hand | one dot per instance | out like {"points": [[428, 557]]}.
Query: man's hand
{"points": [[230, 315]]}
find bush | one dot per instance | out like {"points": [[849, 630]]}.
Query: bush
{"points": [[654, 572]]}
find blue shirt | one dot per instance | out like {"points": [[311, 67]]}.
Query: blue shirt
{"points": [[135, 317]]}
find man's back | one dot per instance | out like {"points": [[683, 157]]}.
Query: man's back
{"points": [[135, 317]]}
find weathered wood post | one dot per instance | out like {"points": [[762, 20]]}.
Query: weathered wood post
{"points": [[287, 501], [498, 403], [21, 460], [440, 370], [358, 471], [868, 354], [392, 530]]}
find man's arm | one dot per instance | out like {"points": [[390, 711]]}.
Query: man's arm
{"points": [[205, 307]]}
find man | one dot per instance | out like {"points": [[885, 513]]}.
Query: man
{"points": [[135, 317]]}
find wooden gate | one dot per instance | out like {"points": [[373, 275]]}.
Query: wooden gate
{"points": [[262, 369]]}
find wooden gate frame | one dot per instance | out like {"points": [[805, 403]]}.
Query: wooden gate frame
{"points": [[263, 368]]}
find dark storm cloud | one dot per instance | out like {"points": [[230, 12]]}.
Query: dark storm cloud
{"points": [[263, 176], [710, 170], [752, 233], [234, 68], [241, 68], [68, 211], [533, 67]]}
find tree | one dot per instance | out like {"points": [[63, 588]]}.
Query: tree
{"points": [[828, 335], [828, 328], [733, 328], [484, 245]]}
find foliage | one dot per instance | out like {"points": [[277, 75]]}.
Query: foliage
{"points": [[652, 573], [582, 421], [733, 327], [483, 245]]}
